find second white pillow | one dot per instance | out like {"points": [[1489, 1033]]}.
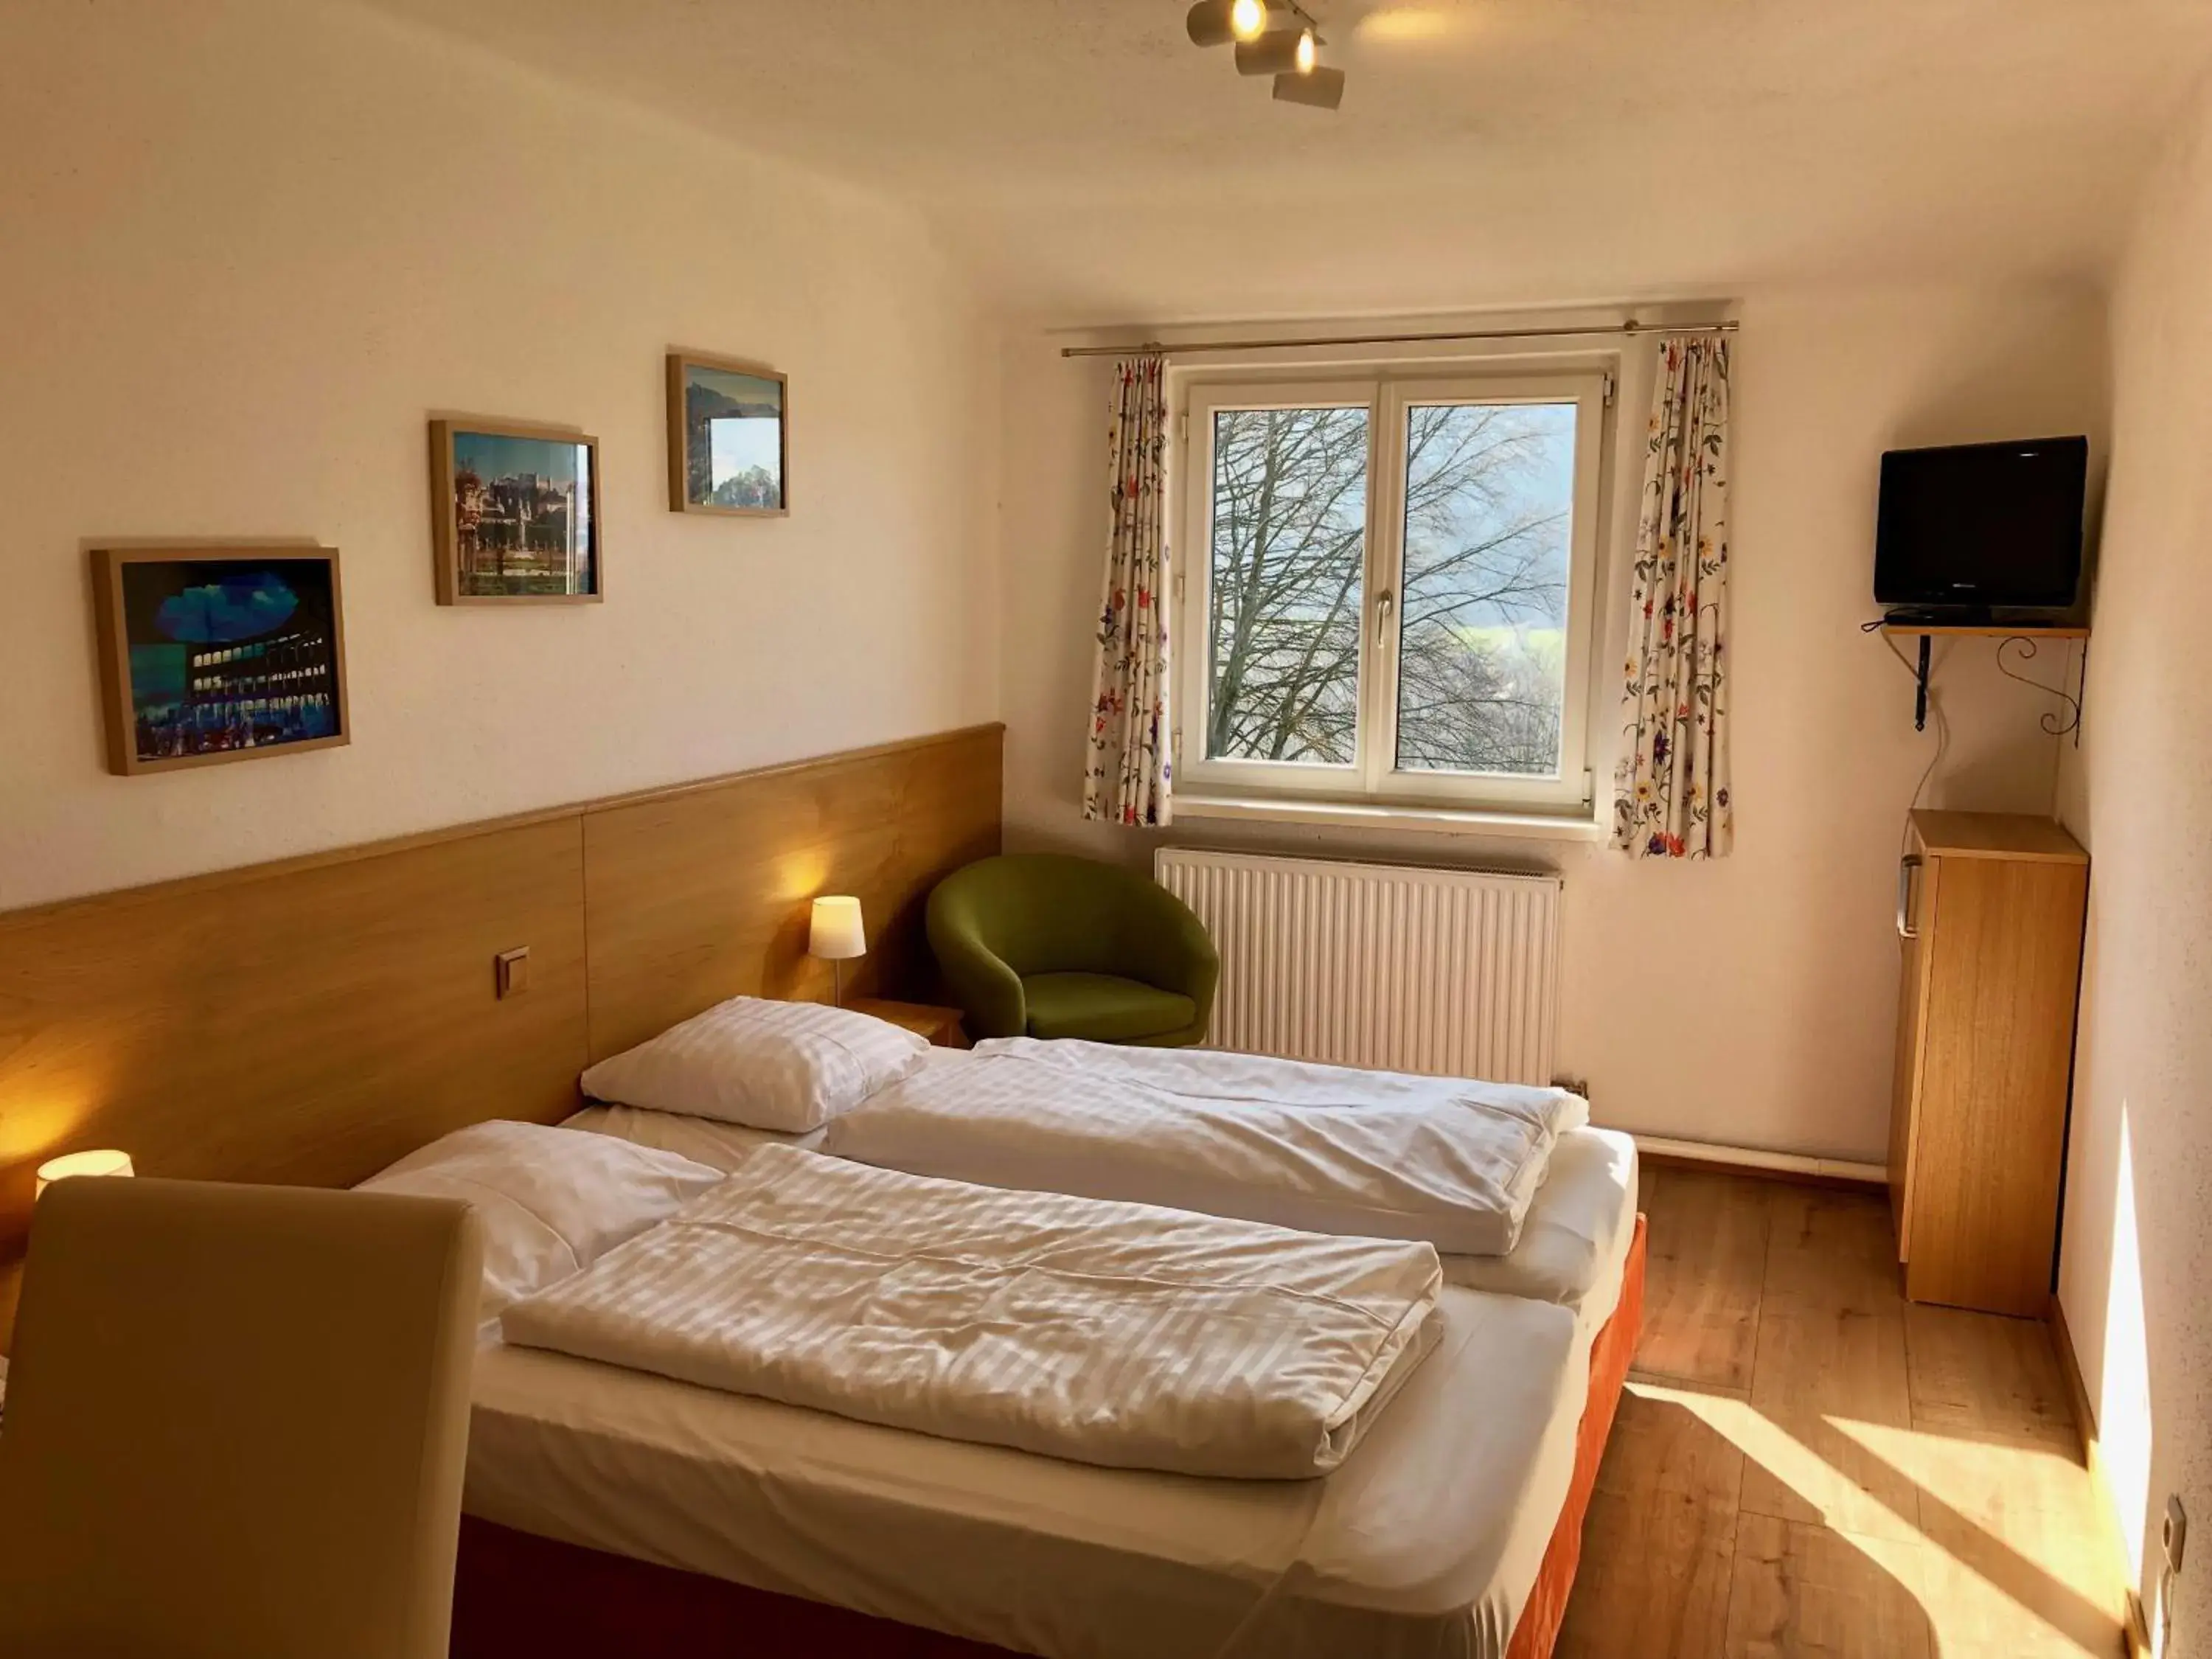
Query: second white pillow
{"points": [[552, 1201], [790, 1066]]}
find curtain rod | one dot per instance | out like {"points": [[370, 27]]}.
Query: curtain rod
{"points": [[1630, 328]]}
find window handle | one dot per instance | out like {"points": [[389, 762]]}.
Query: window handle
{"points": [[1386, 603]]}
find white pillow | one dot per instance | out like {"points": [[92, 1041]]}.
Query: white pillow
{"points": [[552, 1201], [790, 1066]]}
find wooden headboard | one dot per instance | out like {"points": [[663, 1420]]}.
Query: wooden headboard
{"points": [[311, 1020]]}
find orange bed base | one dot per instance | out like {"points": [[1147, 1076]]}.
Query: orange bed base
{"points": [[518, 1596], [1537, 1633]]}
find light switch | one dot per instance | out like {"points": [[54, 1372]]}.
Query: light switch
{"points": [[511, 971]]}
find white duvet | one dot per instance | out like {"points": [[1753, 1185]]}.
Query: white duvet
{"points": [[1324, 1148], [1104, 1332]]}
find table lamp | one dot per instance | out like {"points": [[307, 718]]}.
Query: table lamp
{"points": [[836, 936], [106, 1162]]}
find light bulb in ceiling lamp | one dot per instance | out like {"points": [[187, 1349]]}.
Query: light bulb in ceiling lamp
{"points": [[1322, 88], [1305, 61], [1278, 51], [1215, 22]]}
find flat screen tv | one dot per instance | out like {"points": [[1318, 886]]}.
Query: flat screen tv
{"points": [[1982, 527]]}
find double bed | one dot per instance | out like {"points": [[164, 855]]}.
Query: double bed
{"points": [[617, 1511], [611, 1509]]}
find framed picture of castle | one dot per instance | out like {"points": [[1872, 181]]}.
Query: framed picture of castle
{"points": [[515, 512], [728, 447], [211, 654]]}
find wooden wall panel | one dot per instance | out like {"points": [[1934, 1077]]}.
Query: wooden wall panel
{"points": [[703, 894], [309, 1021], [307, 1025]]}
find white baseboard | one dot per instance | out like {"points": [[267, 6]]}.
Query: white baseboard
{"points": [[1750, 1157]]}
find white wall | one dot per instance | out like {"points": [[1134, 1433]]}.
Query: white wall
{"points": [[248, 246], [1750, 1001], [2137, 1248]]}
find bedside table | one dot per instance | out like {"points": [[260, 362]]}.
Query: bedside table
{"points": [[940, 1025]]}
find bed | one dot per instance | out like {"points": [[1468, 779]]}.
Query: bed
{"points": [[612, 1510], [640, 912]]}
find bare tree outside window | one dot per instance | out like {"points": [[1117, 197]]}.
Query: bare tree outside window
{"points": [[1482, 638], [1482, 641], [1289, 550]]}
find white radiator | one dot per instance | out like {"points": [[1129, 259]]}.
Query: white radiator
{"points": [[1450, 972]]}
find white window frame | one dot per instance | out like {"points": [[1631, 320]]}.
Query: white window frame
{"points": [[1373, 782]]}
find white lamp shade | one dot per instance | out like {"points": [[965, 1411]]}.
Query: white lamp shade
{"points": [[836, 934], [106, 1162]]}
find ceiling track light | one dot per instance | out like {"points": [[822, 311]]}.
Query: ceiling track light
{"points": [[1277, 38]]}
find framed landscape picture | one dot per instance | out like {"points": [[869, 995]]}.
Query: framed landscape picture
{"points": [[515, 512], [218, 654], [728, 448]]}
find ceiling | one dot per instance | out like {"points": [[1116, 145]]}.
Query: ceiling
{"points": [[1090, 165]]}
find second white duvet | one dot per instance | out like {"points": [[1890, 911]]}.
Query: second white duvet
{"points": [[1110, 1333], [1323, 1148]]}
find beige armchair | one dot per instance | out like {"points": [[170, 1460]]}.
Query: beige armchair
{"points": [[236, 1423]]}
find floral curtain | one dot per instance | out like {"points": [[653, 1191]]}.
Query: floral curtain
{"points": [[1129, 768], [1671, 789]]}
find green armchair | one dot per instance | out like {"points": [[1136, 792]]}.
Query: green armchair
{"points": [[1040, 945]]}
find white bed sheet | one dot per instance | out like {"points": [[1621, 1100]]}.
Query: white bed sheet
{"points": [[1423, 1546]]}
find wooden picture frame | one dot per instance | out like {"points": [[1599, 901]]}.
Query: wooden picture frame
{"points": [[541, 462], [691, 487], [209, 654]]}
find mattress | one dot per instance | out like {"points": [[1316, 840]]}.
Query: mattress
{"points": [[1423, 1545]]}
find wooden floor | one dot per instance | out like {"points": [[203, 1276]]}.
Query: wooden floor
{"points": [[1806, 1464]]}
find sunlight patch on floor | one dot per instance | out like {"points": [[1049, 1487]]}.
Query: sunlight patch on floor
{"points": [[1994, 1551]]}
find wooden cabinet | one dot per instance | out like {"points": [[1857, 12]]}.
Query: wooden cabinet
{"points": [[1990, 909]]}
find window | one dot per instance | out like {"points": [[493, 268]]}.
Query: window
{"points": [[1388, 595]]}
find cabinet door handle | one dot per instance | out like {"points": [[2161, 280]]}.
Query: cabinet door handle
{"points": [[1906, 866]]}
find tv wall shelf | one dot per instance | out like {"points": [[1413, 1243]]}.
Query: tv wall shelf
{"points": [[2024, 635], [1992, 630]]}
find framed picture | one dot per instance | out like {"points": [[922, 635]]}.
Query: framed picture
{"points": [[728, 450], [515, 512], [218, 654]]}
